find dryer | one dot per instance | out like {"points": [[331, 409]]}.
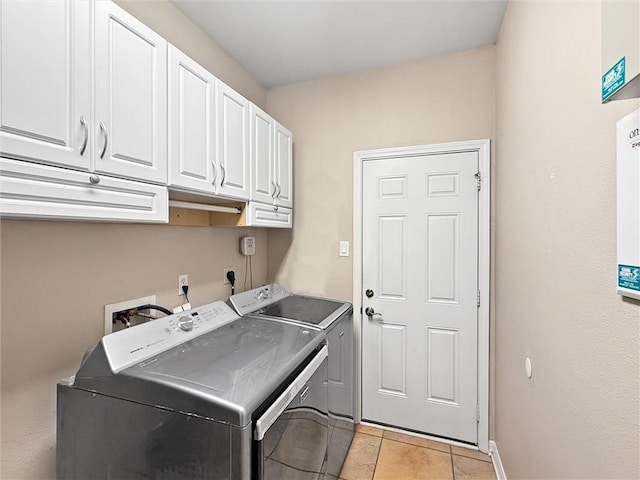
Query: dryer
{"points": [[335, 319]]}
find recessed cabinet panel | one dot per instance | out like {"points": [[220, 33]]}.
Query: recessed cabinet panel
{"points": [[284, 166], [191, 124], [263, 186], [40, 191], [194, 120], [131, 96], [132, 101], [262, 215], [45, 82], [233, 143]]}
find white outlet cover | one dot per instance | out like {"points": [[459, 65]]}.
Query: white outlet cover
{"points": [[183, 279]]}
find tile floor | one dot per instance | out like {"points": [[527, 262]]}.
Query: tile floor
{"points": [[380, 454]]}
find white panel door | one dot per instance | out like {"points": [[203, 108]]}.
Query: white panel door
{"points": [[192, 121], [131, 96], [263, 187], [233, 143], [420, 260], [284, 166], [45, 81]]}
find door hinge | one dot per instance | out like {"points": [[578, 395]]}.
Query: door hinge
{"points": [[360, 310], [477, 413], [478, 176], [478, 299]]}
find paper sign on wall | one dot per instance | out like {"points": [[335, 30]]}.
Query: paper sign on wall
{"points": [[628, 205], [613, 79], [629, 277]]}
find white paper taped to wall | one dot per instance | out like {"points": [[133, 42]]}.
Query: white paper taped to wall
{"points": [[628, 205]]}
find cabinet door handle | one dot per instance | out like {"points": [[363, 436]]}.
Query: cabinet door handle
{"points": [[279, 190], [94, 179], [215, 173], [224, 174], [275, 189], [103, 129], [83, 122]]}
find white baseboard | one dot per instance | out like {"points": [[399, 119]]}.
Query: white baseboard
{"points": [[497, 463]]}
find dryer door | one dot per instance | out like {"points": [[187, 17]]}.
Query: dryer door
{"points": [[292, 435]]}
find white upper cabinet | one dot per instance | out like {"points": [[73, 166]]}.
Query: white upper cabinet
{"points": [[48, 69], [232, 176], [263, 187], [130, 96], [271, 160], [82, 86], [192, 96], [45, 82], [284, 166]]}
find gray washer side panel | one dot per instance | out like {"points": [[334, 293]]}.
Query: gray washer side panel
{"points": [[101, 437]]}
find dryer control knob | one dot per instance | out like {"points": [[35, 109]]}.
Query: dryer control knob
{"points": [[185, 323]]}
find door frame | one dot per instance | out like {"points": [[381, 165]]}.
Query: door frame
{"points": [[483, 148]]}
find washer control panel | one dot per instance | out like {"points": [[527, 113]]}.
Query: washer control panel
{"points": [[134, 345], [252, 300]]}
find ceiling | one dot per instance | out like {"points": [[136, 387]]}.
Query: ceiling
{"points": [[282, 42]]}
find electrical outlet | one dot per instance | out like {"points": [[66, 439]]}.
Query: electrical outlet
{"points": [[111, 309], [225, 280], [183, 281]]}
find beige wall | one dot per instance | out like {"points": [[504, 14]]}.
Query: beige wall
{"points": [[449, 98], [168, 21], [556, 255], [56, 278]]}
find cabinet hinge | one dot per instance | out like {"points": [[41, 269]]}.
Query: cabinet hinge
{"points": [[478, 176], [477, 413], [478, 299]]}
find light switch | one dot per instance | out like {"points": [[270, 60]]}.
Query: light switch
{"points": [[344, 248]]}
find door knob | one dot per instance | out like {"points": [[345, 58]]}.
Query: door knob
{"points": [[369, 311], [369, 293]]}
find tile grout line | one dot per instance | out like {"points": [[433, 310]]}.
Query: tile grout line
{"points": [[472, 458], [420, 446], [375, 467], [453, 470]]}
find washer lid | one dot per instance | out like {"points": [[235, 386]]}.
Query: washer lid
{"points": [[310, 310], [223, 375]]}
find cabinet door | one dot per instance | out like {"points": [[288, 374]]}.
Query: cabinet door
{"points": [[130, 96], [45, 81], [191, 123], [233, 143], [262, 160], [284, 166], [30, 190]]}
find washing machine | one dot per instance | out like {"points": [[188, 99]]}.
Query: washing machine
{"points": [[204, 394]]}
